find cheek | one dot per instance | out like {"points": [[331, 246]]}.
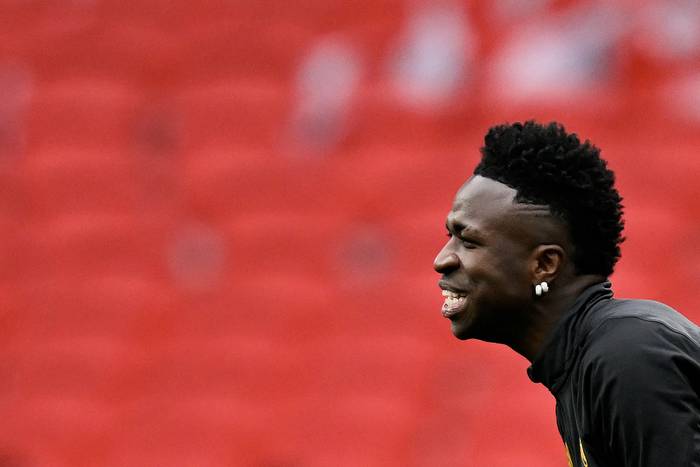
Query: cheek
{"points": [[506, 273], [482, 262], [476, 263], [515, 278], [498, 267]]}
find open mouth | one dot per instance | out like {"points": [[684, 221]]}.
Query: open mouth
{"points": [[454, 303]]}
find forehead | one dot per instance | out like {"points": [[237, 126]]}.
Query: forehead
{"points": [[481, 199], [489, 207]]}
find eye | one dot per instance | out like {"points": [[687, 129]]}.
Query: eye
{"points": [[468, 244]]}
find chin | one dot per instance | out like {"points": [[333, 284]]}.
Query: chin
{"points": [[461, 332]]}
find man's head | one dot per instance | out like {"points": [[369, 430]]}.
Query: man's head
{"points": [[541, 206]]}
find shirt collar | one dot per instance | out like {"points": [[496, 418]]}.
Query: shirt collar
{"points": [[552, 364]]}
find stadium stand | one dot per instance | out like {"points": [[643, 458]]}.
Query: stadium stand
{"points": [[218, 220]]}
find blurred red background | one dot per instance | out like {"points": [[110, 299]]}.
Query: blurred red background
{"points": [[218, 219]]}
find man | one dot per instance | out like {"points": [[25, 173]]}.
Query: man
{"points": [[533, 236]]}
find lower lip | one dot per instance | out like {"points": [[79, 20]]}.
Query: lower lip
{"points": [[451, 311]]}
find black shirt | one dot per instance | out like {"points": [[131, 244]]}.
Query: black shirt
{"points": [[626, 378]]}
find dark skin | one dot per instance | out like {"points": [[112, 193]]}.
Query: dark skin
{"points": [[498, 250]]}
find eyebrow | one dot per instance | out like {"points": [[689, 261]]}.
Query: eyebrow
{"points": [[461, 228]]}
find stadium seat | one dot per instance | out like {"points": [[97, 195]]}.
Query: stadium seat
{"points": [[94, 111], [66, 179]]}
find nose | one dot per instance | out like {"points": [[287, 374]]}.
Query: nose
{"points": [[446, 261]]}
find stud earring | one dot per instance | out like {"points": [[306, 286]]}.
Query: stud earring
{"points": [[541, 288]]}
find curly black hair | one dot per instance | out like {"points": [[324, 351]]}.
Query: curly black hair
{"points": [[546, 165]]}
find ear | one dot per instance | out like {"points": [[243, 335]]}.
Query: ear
{"points": [[546, 262]]}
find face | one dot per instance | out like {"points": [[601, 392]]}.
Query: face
{"points": [[486, 262]]}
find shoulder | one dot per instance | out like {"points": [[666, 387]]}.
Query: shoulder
{"points": [[638, 321], [639, 335], [637, 380]]}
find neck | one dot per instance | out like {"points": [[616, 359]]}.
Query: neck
{"points": [[546, 313]]}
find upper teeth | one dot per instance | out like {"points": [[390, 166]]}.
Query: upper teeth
{"points": [[450, 294]]}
